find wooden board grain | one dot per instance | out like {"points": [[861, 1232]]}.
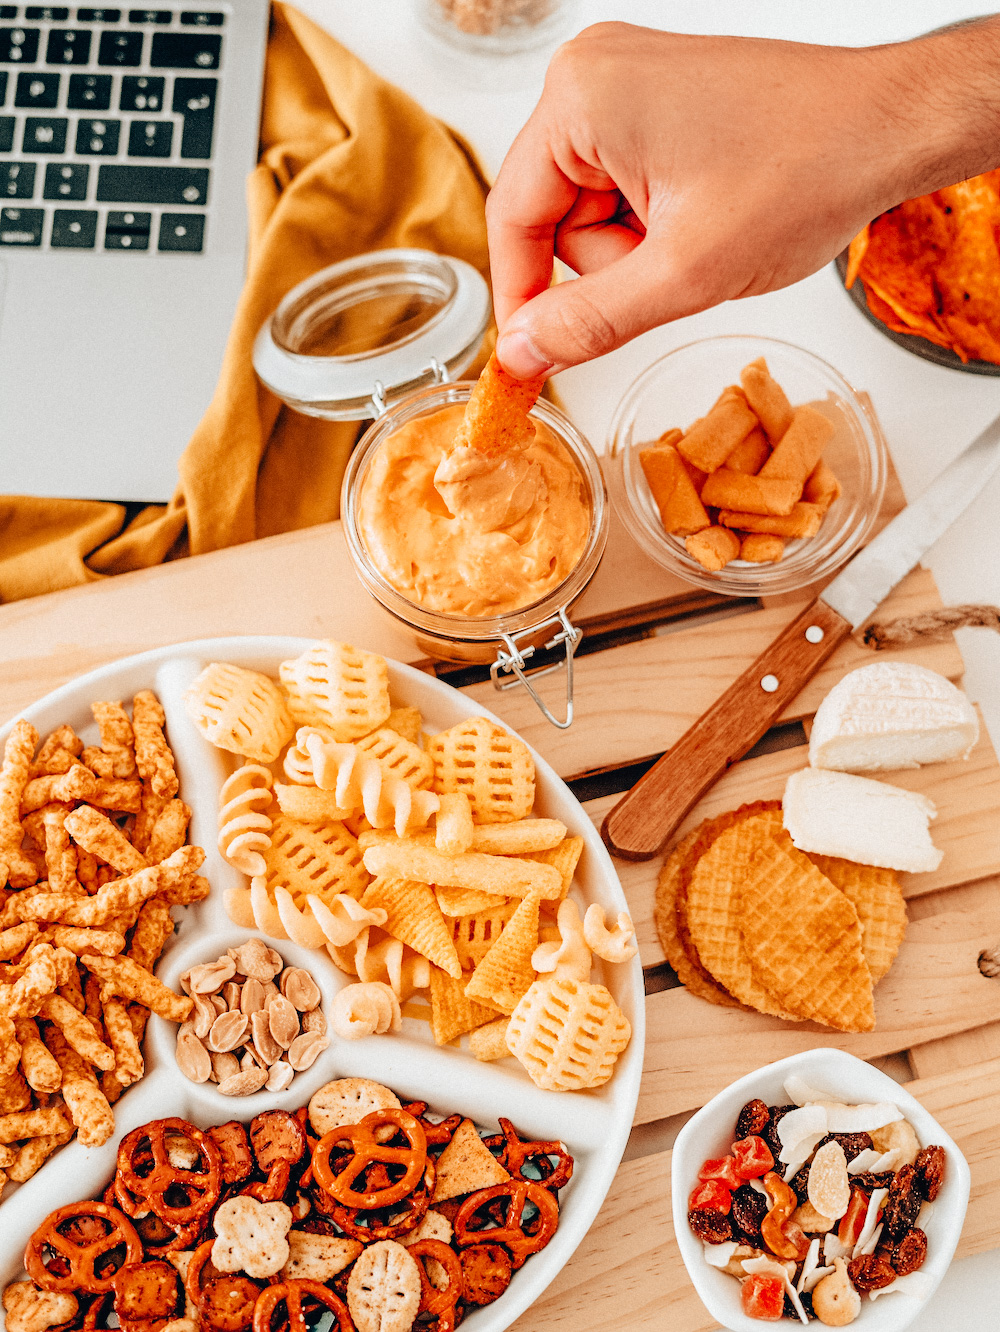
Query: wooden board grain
{"points": [[628, 1271]]}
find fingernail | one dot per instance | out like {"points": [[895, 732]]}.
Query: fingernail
{"points": [[519, 355]]}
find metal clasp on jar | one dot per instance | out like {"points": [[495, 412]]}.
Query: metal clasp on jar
{"points": [[512, 662]]}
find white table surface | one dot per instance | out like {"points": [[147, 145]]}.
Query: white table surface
{"points": [[929, 413]]}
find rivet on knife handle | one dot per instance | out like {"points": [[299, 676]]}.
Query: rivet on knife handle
{"points": [[639, 825]]}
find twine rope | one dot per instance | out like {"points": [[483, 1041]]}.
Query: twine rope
{"points": [[934, 624]]}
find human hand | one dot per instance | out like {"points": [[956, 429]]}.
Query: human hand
{"points": [[675, 172]]}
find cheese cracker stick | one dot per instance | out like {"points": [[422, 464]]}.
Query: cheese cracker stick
{"points": [[78, 939], [681, 511], [96, 833], [124, 797], [169, 831], [154, 757], [123, 977], [58, 752], [755, 494], [15, 868], [803, 521], [711, 440], [33, 1154], [31, 1124], [152, 930], [78, 1030], [10, 1049], [60, 854], [128, 1057], [87, 1105], [23, 997], [505, 876], [116, 755], [16, 939], [767, 398], [79, 783], [822, 486], [38, 1065], [800, 448]]}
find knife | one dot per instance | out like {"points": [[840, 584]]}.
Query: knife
{"points": [[639, 825]]}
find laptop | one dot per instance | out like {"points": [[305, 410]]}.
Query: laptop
{"points": [[126, 136]]}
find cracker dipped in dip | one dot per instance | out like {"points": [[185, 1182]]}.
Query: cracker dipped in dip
{"points": [[475, 510]]}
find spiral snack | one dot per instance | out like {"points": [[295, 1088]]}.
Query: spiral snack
{"points": [[373, 958], [369, 1008], [337, 686], [240, 710], [314, 924], [359, 782], [244, 824]]}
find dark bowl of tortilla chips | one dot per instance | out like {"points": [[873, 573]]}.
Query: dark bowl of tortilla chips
{"points": [[927, 275]]}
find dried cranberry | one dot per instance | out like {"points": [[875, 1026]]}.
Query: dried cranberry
{"points": [[712, 1227], [852, 1143], [902, 1206], [770, 1132], [929, 1165], [752, 1119], [799, 1184], [907, 1254], [870, 1272], [868, 1179], [749, 1209]]}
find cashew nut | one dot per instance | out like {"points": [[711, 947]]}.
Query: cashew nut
{"points": [[835, 1301], [617, 945], [570, 958]]}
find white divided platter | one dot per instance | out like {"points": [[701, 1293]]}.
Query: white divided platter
{"points": [[594, 1125]]}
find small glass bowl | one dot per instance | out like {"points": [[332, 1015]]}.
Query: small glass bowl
{"points": [[681, 387], [466, 638], [497, 27]]}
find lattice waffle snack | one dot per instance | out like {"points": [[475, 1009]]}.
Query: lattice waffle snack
{"points": [[240, 710], [92, 850], [746, 918], [415, 863]]}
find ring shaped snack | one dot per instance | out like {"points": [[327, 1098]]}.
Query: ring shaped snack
{"points": [[388, 1223], [227, 1303], [486, 1272], [360, 1141], [145, 1176], [517, 1151], [96, 1230], [520, 1237], [439, 1303], [292, 1294]]}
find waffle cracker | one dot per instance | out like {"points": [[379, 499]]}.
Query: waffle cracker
{"points": [[690, 973], [713, 910], [400, 757], [474, 935], [322, 859], [240, 711], [878, 900], [707, 834], [338, 686], [414, 917], [453, 1013], [494, 769], [466, 1165], [565, 857], [803, 938], [568, 1034], [506, 973]]}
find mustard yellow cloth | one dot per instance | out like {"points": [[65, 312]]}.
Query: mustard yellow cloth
{"points": [[348, 164]]}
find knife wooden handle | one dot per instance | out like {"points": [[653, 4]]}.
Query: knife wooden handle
{"points": [[641, 822]]}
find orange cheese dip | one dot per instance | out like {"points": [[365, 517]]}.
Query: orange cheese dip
{"points": [[464, 534]]}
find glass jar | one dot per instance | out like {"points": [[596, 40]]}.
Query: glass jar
{"points": [[505, 641], [497, 27], [383, 336]]}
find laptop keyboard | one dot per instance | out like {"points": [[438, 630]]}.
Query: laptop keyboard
{"points": [[107, 123]]}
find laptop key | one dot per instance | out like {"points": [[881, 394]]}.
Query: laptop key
{"points": [[97, 138], [89, 92], [39, 90], [201, 18], [127, 231], [68, 46], [18, 46], [182, 232], [8, 11], [185, 50], [152, 185], [6, 134], [73, 229], [120, 48], [150, 138], [149, 16], [194, 99], [141, 93], [44, 134], [3, 86], [98, 15], [66, 180], [50, 13], [21, 226], [17, 180]]}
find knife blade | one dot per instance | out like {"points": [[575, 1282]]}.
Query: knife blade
{"points": [[639, 825]]}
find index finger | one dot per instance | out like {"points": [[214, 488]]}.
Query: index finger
{"points": [[529, 200]]}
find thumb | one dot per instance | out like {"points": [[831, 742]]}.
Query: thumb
{"points": [[589, 316]]}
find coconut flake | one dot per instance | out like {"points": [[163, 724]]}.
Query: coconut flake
{"points": [[758, 1187], [807, 1124], [771, 1267], [799, 1091], [917, 1284], [863, 1118], [833, 1248], [872, 1243], [809, 1264], [815, 1277], [865, 1160], [871, 1220], [718, 1255]]}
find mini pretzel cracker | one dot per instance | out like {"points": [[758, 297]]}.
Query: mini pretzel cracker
{"points": [[496, 415], [383, 1292], [251, 1236], [766, 398]]}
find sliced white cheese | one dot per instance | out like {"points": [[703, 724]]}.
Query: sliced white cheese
{"points": [[916, 1284], [718, 1255], [799, 1127], [892, 714], [871, 1221], [771, 1267], [837, 814]]}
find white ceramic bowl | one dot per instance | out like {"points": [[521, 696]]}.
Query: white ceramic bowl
{"points": [[709, 1134], [594, 1125]]}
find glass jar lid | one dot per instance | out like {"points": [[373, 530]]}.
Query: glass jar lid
{"points": [[364, 333]]}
